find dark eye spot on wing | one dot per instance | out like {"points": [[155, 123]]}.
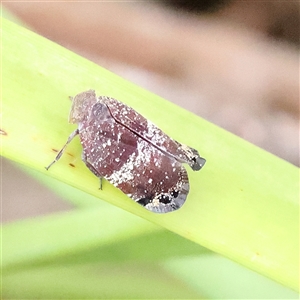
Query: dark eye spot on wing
{"points": [[174, 194], [164, 199], [145, 201]]}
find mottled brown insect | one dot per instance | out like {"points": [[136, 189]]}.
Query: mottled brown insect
{"points": [[132, 153]]}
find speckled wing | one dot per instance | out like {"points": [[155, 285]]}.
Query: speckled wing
{"points": [[154, 180], [144, 128]]}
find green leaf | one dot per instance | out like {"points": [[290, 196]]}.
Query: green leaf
{"points": [[96, 281], [243, 204]]}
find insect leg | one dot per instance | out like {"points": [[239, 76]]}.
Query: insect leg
{"points": [[95, 172], [92, 169], [62, 150]]}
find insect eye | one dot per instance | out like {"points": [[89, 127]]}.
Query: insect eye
{"points": [[101, 112]]}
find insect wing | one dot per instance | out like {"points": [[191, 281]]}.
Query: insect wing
{"points": [[110, 150], [106, 144], [145, 129]]}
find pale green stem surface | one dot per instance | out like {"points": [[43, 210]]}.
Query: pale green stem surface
{"points": [[244, 204]]}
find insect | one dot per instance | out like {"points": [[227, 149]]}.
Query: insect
{"points": [[133, 154]]}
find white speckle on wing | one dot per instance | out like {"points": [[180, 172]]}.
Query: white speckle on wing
{"points": [[133, 167]]}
